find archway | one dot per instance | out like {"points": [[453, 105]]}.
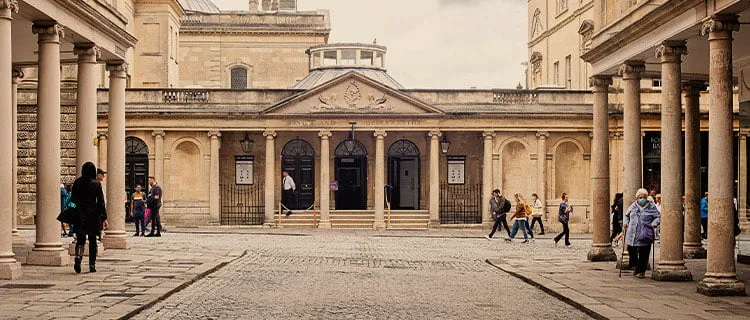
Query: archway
{"points": [[351, 174], [298, 159], [403, 175], [136, 167]]}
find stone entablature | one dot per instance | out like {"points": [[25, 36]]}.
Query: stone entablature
{"points": [[257, 22]]}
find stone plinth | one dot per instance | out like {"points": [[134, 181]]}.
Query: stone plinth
{"points": [[48, 258]]}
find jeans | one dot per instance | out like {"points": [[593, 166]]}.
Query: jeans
{"points": [[523, 225], [565, 232], [534, 220], [501, 221], [639, 258], [140, 222], [155, 221]]}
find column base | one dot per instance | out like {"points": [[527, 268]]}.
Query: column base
{"points": [[601, 253], [115, 240], [269, 225], [378, 225], [693, 252], [324, 224], [10, 270], [21, 252], [624, 262], [433, 224], [671, 273], [18, 238], [57, 258], [721, 287], [488, 224], [99, 253]]}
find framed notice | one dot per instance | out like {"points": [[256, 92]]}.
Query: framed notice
{"points": [[243, 169], [456, 169]]}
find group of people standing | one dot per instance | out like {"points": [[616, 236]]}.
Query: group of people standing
{"points": [[144, 209], [501, 206]]}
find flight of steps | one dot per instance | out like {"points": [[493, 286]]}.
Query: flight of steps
{"points": [[298, 220], [408, 220], [352, 219], [357, 219]]}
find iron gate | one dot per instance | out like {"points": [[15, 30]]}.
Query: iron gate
{"points": [[460, 203], [242, 204]]}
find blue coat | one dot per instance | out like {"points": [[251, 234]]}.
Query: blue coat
{"points": [[638, 218], [704, 208]]}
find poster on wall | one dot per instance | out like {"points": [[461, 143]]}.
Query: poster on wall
{"points": [[243, 169], [456, 169]]}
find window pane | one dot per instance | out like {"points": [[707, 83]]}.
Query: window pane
{"points": [[239, 78], [348, 57], [366, 58], [329, 58]]}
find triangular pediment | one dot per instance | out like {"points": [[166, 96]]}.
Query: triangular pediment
{"points": [[352, 93]]}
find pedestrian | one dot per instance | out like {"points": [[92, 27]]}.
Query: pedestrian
{"points": [[499, 207], [89, 199], [616, 217], [154, 202], [287, 194], [137, 210], [657, 201], [537, 212], [64, 199], [519, 219], [640, 224], [563, 215], [704, 215]]}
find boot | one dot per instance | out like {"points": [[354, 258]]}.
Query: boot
{"points": [[78, 258], [92, 257]]}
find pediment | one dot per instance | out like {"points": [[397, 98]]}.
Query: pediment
{"points": [[352, 93]]}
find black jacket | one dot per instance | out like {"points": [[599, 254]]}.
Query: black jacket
{"points": [[89, 199]]}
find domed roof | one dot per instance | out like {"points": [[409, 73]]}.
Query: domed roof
{"points": [[202, 6]]}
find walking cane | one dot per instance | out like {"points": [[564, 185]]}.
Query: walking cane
{"points": [[622, 254]]}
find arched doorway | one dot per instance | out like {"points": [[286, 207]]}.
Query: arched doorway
{"points": [[298, 159], [403, 175], [136, 167], [351, 174]]}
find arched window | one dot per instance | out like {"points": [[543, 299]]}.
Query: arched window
{"points": [[239, 78], [403, 148], [358, 150], [298, 148], [134, 145]]}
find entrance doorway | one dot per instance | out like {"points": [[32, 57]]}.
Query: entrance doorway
{"points": [[136, 168], [298, 159], [351, 174], [403, 175]]}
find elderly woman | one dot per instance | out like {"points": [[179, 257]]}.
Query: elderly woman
{"points": [[640, 223]]}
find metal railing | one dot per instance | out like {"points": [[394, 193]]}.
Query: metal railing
{"points": [[242, 204], [460, 203], [186, 96]]}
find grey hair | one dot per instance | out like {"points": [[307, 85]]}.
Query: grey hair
{"points": [[641, 191]]}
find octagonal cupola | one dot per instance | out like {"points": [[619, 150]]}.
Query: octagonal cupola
{"points": [[329, 61]]}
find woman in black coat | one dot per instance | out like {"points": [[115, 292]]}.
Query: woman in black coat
{"points": [[89, 199], [616, 216]]}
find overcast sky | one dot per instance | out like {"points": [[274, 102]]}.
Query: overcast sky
{"points": [[433, 43]]}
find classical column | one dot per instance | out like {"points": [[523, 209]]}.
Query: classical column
{"points": [[488, 137], [48, 249], [721, 274], [434, 206], [379, 179], [601, 247], [214, 194], [158, 155], [325, 178], [19, 243], [692, 248], [114, 237], [541, 169], [632, 155], [270, 177], [86, 133], [742, 188], [9, 267], [102, 150], [671, 265]]}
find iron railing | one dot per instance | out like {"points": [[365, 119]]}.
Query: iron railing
{"points": [[186, 96], [242, 204], [460, 203]]}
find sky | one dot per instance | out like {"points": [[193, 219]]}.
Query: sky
{"points": [[442, 44]]}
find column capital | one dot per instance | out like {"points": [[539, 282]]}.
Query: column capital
{"points": [[631, 69], [380, 134], [269, 134], [488, 134], [87, 52], [542, 135], [721, 23], [671, 51], [615, 135], [17, 75], [694, 87], [324, 134], [117, 69], [102, 135], [48, 31], [214, 134], [12, 5], [158, 133], [600, 83], [434, 134], [591, 135]]}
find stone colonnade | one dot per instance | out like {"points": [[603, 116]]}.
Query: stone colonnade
{"points": [[47, 249], [680, 236]]}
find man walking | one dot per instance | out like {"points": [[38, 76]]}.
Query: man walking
{"points": [[499, 207], [288, 187], [154, 204]]}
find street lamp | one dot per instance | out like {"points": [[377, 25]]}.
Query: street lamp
{"points": [[445, 144], [350, 143], [247, 143]]}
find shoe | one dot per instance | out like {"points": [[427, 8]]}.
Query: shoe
{"points": [[77, 264], [556, 241], [149, 235], [92, 268], [288, 213], [508, 239], [641, 275], [525, 241], [157, 235], [541, 233], [567, 244], [488, 237], [136, 234], [143, 234]]}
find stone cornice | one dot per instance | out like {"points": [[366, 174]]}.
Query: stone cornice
{"points": [[174, 4], [572, 17], [638, 29], [85, 12], [213, 30]]}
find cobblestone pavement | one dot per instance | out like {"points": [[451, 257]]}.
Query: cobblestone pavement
{"points": [[368, 275]]}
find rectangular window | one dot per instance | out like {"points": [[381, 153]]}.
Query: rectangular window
{"points": [[656, 83], [568, 76], [171, 43], [329, 58], [316, 60], [348, 57], [366, 58], [556, 74], [239, 78]]}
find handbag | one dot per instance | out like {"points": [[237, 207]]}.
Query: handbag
{"points": [[69, 215], [146, 214]]}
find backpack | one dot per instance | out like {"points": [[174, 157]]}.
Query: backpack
{"points": [[528, 210], [506, 206]]}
